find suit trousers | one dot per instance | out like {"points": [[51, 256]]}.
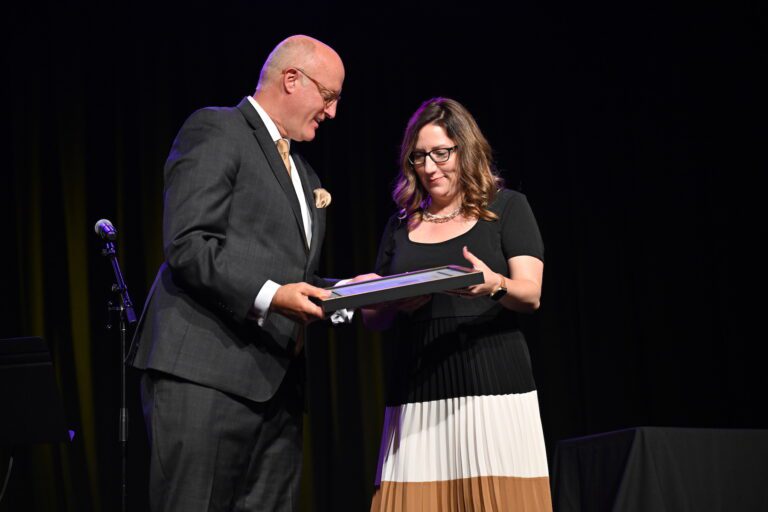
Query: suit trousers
{"points": [[213, 451]]}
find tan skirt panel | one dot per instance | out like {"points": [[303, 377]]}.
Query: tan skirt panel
{"points": [[486, 494]]}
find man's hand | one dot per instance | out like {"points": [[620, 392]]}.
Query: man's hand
{"points": [[292, 301]]}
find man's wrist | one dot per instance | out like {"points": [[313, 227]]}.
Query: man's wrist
{"points": [[263, 301]]}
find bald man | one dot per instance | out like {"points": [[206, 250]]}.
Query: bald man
{"points": [[220, 339]]}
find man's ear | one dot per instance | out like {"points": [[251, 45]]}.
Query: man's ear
{"points": [[290, 80]]}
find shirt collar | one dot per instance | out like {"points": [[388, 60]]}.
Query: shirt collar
{"points": [[268, 122]]}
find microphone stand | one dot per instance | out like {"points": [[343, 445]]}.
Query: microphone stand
{"points": [[126, 315]]}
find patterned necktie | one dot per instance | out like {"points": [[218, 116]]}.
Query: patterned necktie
{"points": [[282, 148]]}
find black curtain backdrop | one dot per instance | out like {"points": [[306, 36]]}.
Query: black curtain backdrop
{"points": [[636, 131]]}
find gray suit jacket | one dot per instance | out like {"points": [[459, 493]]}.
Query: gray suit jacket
{"points": [[231, 221]]}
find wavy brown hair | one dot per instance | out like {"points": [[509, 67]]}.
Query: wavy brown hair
{"points": [[478, 178]]}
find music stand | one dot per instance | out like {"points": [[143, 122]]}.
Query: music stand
{"points": [[31, 406]]}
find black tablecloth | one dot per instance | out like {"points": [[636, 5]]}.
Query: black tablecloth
{"points": [[663, 470]]}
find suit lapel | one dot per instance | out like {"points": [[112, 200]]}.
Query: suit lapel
{"points": [[309, 195], [275, 162]]}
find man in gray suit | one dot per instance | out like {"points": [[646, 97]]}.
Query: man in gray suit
{"points": [[220, 339]]}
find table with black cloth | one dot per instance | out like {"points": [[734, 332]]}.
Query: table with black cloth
{"points": [[662, 469]]}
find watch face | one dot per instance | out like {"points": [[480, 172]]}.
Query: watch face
{"points": [[498, 294]]}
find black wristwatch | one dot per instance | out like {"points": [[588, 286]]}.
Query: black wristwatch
{"points": [[500, 291]]}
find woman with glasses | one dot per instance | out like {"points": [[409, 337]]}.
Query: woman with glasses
{"points": [[462, 429]]}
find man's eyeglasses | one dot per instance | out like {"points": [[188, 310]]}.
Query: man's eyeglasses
{"points": [[329, 96], [438, 155]]}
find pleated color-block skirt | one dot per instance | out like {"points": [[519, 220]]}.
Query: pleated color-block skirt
{"points": [[456, 444]]}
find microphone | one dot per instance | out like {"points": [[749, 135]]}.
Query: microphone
{"points": [[105, 230]]}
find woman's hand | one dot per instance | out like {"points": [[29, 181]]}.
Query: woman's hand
{"points": [[408, 305], [491, 279], [380, 316], [364, 277]]}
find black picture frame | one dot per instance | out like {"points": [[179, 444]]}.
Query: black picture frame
{"points": [[400, 286]]}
